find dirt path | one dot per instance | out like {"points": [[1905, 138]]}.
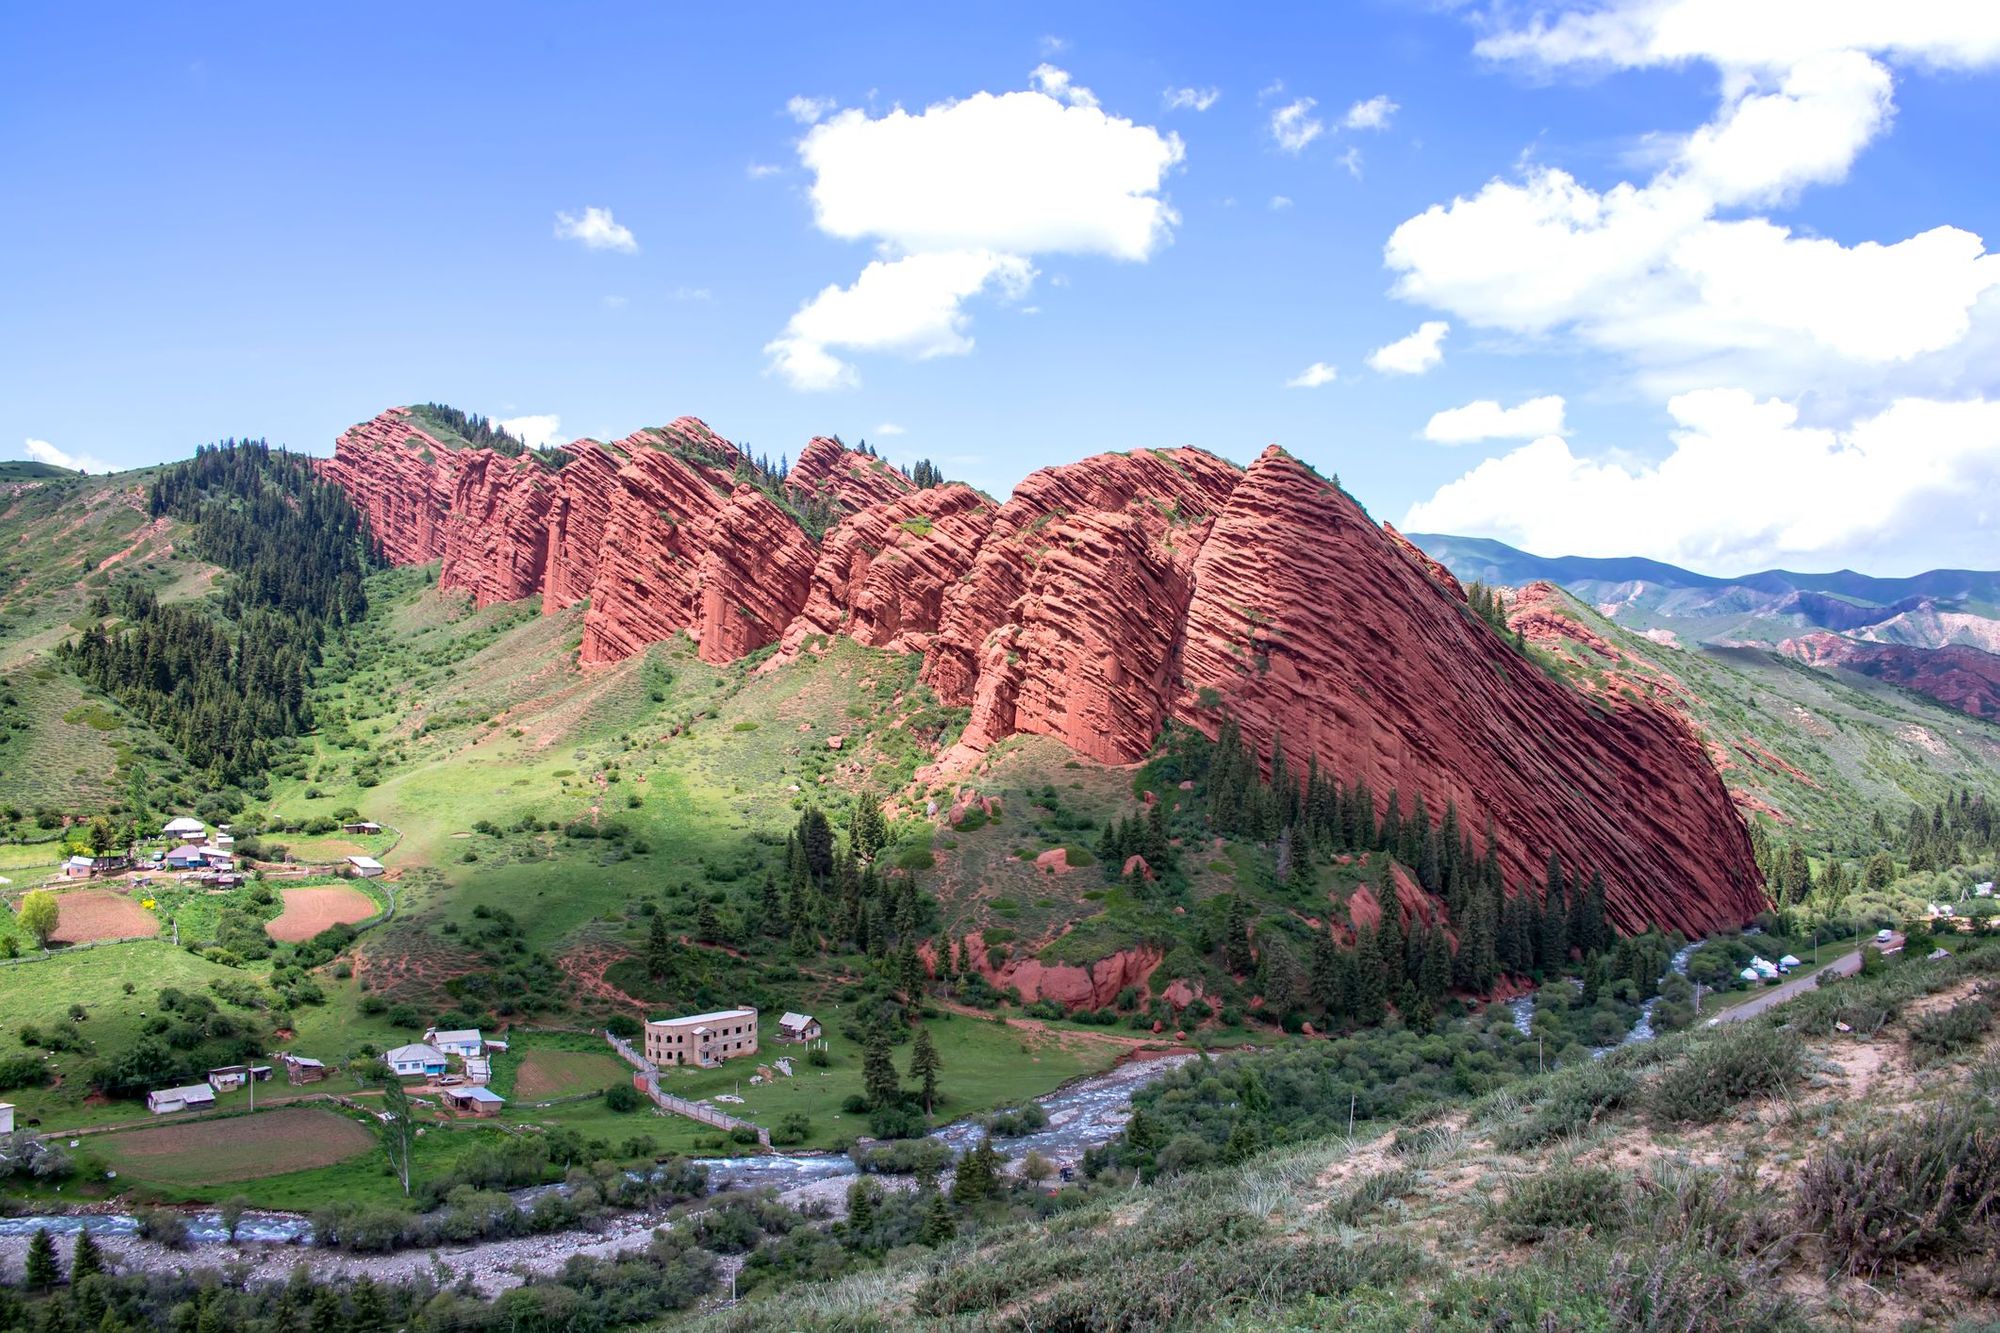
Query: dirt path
{"points": [[585, 966], [1844, 966]]}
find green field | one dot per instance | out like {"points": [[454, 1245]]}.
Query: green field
{"points": [[230, 1149]]}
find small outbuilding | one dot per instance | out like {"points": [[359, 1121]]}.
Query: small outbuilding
{"points": [[303, 1069], [365, 866], [361, 826], [185, 829], [474, 1101], [799, 1027], [6, 1117], [194, 1097]]}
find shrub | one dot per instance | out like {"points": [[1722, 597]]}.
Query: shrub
{"points": [[1734, 1062], [1572, 1100], [1928, 1189], [623, 1026], [1563, 1198], [623, 1097], [1941, 1035]]}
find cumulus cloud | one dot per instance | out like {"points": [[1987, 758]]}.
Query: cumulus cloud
{"points": [[809, 110], [44, 452], [757, 171], [1745, 485], [1057, 84], [1373, 114], [539, 431], [911, 306], [1351, 159], [1485, 419], [1293, 125], [959, 199], [1659, 271], [597, 230], [1314, 375], [1414, 353], [1191, 99], [890, 428], [1280, 202]]}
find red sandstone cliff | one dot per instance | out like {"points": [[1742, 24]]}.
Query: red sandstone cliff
{"points": [[1307, 621], [1069, 623], [402, 478], [843, 478], [1957, 675]]}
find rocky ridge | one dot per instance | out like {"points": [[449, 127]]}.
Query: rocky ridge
{"points": [[1102, 598]]}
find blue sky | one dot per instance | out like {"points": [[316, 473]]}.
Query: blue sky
{"points": [[1712, 276]]}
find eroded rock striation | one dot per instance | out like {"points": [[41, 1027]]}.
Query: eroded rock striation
{"points": [[1102, 598], [1956, 675]]}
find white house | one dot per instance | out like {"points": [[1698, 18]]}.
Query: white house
{"points": [[416, 1060], [6, 1117], [365, 866], [194, 1097], [186, 829], [798, 1027], [465, 1043]]}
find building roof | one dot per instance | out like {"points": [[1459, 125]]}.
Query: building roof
{"points": [[185, 824], [416, 1050], [305, 1060], [84, 861], [189, 849], [193, 1092], [710, 1017], [792, 1020], [364, 863], [455, 1037], [475, 1093]]}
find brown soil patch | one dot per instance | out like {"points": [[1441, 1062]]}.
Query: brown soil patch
{"points": [[309, 911], [405, 962], [100, 914], [237, 1148], [585, 966]]}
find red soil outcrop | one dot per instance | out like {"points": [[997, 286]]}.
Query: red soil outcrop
{"points": [[843, 478], [1070, 620], [1306, 621], [1957, 676], [882, 574]]}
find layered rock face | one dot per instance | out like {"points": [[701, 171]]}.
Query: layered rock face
{"points": [[1308, 622], [1102, 598], [1069, 622], [843, 479], [1957, 676], [882, 574]]}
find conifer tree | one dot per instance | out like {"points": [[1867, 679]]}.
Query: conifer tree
{"points": [[42, 1271], [938, 1225], [879, 1084], [85, 1259], [924, 1067]]}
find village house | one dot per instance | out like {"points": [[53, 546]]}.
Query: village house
{"points": [[361, 826], [194, 1097], [465, 1043], [702, 1039], [303, 1069], [187, 856], [798, 1027], [90, 867], [365, 866], [6, 1117], [416, 1060], [228, 1078], [474, 1101], [185, 829]]}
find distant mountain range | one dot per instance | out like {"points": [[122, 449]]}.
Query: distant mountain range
{"points": [[1915, 631]]}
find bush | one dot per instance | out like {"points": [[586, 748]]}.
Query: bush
{"points": [[1941, 1035], [164, 1226], [1730, 1064], [1572, 1099], [622, 1097], [1562, 1199], [1928, 1189], [901, 1158]]}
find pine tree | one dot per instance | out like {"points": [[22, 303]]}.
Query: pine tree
{"points": [[938, 1225], [977, 1173], [659, 950], [863, 1200], [910, 973], [42, 1271], [85, 1259], [1236, 936], [879, 1083], [925, 1067]]}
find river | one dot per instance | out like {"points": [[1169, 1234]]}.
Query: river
{"points": [[1522, 1007]]}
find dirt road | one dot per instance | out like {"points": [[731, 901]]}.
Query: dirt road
{"points": [[1844, 966]]}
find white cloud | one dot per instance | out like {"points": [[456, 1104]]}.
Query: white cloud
{"points": [[1351, 159], [540, 431], [890, 428], [1485, 419], [1655, 271], [1745, 485], [1414, 353], [597, 230], [1191, 99], [911, 306], [958, 199], [809, 110], [616, 302], [1293, 125], [44, 452], [1373, 114], [1314, 375], [757, 171], [1057, 83], [1280, 202], [1053, 46], [692, 294]]}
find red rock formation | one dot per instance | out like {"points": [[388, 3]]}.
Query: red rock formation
{"points": [[883, 573], [1306, 621], [1439, 575], [581, 504], [1095, 986], [496, 537], [1957, 676], [1068, 623], [400, 476], [843, 479]]}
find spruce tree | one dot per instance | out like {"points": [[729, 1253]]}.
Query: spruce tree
{"points": [[924, 1068], [85, 1259], [977, 1173], [938, 1225], [42, 1271], [879, 1083]]}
